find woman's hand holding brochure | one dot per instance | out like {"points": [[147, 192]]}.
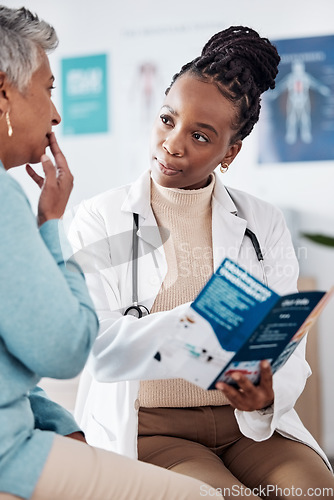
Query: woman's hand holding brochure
{"points": [[247, 396]]}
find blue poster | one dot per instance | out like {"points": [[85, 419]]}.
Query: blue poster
{"points": [[85, 95], [297, 122]]}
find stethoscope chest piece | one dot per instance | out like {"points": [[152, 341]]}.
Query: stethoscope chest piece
{"points": [[138, 311]]}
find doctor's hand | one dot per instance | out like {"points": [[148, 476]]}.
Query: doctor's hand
{"points": [[56, 185], [250, 397]]}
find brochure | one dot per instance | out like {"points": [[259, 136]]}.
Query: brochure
{"points": [[248, 321]]}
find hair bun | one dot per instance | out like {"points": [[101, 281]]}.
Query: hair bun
{"points": [[243, 66], [243, 50]]}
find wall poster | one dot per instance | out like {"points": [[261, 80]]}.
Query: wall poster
{"points": [[297, 122], [85, 95]]}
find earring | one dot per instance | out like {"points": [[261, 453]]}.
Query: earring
{"points": [[10, 130], [224, 167]]}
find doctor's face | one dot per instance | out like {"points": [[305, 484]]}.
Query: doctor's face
{"points": [[192, 134]]}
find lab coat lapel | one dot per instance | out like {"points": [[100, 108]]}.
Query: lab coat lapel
{"points": [[139, 201], [152, 266], [228, 229], [152, 269]]}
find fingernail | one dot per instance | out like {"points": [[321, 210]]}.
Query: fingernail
{"points": [[45, 158]]}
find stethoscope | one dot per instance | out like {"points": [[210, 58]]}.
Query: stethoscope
{"points": [[138, 310]]}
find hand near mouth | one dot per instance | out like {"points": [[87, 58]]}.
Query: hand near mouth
{"points": [[56, 186]]}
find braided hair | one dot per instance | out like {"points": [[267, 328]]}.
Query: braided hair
{"points": [[243, 66]]}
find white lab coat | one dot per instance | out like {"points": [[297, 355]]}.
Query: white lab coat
{"points": [[101, 234]]}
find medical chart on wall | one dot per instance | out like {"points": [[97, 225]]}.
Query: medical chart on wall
{"points": [[297, 117]]}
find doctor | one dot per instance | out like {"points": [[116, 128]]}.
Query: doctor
{"points": [[187, 223]]}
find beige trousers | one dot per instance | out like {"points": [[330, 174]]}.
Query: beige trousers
{"points": [[206, 443], [76, 471]]}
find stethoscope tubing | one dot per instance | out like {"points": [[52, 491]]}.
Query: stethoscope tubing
{"points": [[135, 309]]}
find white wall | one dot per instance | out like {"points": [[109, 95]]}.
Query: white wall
{"points": [[172, 33]]}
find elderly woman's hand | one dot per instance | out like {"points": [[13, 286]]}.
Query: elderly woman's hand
{"points": [[250, 397], [57, 185]]}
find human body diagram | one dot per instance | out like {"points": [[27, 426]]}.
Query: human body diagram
{"points": [[298, 84]]}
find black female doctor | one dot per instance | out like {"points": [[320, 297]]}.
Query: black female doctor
{"points": [[187, 223]]}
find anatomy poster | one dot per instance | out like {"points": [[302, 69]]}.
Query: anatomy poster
{"points": [[297, 122]]}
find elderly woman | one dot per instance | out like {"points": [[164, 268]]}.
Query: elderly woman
{"points": [[47, 320]]}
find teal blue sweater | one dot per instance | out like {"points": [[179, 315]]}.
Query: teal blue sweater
{"points": [[47, 327]]}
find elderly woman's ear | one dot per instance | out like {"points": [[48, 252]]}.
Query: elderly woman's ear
{"points": [[2, 80], [3, 94]]}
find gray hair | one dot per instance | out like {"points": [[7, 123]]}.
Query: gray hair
{"points": [[22, 38]]}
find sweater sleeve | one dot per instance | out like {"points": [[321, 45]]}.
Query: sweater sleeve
{"points": [[50, 416], [47, 319]]}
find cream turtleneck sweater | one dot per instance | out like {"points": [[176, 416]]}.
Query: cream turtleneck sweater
{"points": [[187, 215]]}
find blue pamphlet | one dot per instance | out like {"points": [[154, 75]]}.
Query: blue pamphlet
{"points": [[248, 322]]}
